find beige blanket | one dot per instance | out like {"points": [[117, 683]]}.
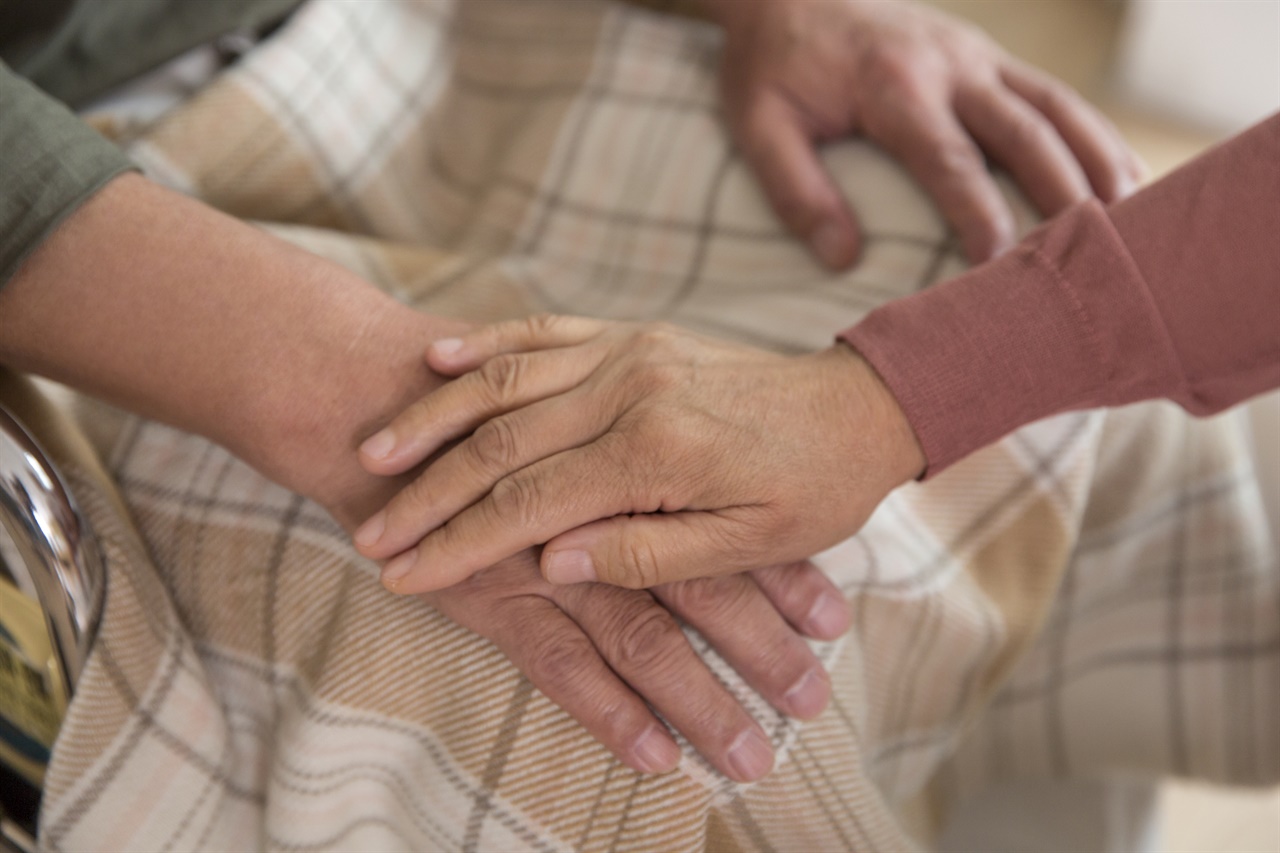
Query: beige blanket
{"points": [[1095, 594]]}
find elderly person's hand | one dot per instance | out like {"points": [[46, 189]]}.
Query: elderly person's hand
{"points": [[673, 456], [935, 92], [164, 306], [611, 657]]}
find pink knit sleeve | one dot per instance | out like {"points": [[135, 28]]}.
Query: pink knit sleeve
{"points": [[1172, 293]]}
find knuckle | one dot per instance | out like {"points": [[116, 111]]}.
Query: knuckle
{"points": [[887, 68], [780, 657], [750, 540], [1025, 130], [541, 324], [638, 567], [502, 376], [800, 592], [495, 445], [710, 597], [1057, 100], [646, 640], [655, 336], [956, 160], [516, 500], [557, 664]]}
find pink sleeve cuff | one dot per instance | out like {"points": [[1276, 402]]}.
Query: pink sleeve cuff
{"points": [[1064, 321]]}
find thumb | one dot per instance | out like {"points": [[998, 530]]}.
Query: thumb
{"points": [[642, 551], [798, 186]]}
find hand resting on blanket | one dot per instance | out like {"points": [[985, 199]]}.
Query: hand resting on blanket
{"points": [[639, 453], [162, 305], [934, 92]]}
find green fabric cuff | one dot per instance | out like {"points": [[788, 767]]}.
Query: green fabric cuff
{"points": [[50, 163]]}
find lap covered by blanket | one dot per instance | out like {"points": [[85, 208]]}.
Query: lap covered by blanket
{"points": [[1095, 594]]}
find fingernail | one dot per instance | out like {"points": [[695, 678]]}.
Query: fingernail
{"points": [[394, 571], [827, 617], [832, 245], [656, 752], [379, 445], [808, 696], [371, 531], [446, 347], [570, 567], [750, 756]]}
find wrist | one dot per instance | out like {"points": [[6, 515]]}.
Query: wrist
{"points": [[366, 369], [167, 308], [868, 401]]}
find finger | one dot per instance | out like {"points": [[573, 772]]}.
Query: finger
{"points": [[1022, 140], [643, 551], [558, 658], [645, 646], [938, 152], [1113, 169], [806, 598], [452, 356], [774, 142], [501, 384], [523, 509], [770, 656], [469, 470]]}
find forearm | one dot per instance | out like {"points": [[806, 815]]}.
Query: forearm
{"points": [[51, 162], [1173, 293], [166, 307]]}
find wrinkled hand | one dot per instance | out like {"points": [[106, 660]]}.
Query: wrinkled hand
{"points": [[601, 653], [934, 92], [676, 456], [289, 361]]}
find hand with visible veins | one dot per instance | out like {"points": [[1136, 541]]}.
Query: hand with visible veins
{"points": [[641, 454], [611, 657], [166, 307], [934, 92]]}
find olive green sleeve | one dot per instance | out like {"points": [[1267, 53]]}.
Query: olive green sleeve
{"points": [[50, 163]]}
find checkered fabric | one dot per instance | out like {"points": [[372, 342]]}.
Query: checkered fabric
{"points": [[1097, 593]]}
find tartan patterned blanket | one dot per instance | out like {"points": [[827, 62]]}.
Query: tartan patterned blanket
{"points": [[1096, 594]]}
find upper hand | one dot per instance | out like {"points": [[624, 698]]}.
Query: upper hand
{"points": [[934, 92], [682, 456]]}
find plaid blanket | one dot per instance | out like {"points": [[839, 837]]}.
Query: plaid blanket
{"points": [[1096, 594]]}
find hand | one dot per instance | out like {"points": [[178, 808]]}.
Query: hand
{"points": [[290, 360], [601, 653], [934, 92], [676, 456]]}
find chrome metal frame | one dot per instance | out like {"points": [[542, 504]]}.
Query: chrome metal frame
{"points": [[61, 560], [47, 551]]}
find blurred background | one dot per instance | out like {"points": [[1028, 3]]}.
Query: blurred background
{"points": [[1175, 76]]}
